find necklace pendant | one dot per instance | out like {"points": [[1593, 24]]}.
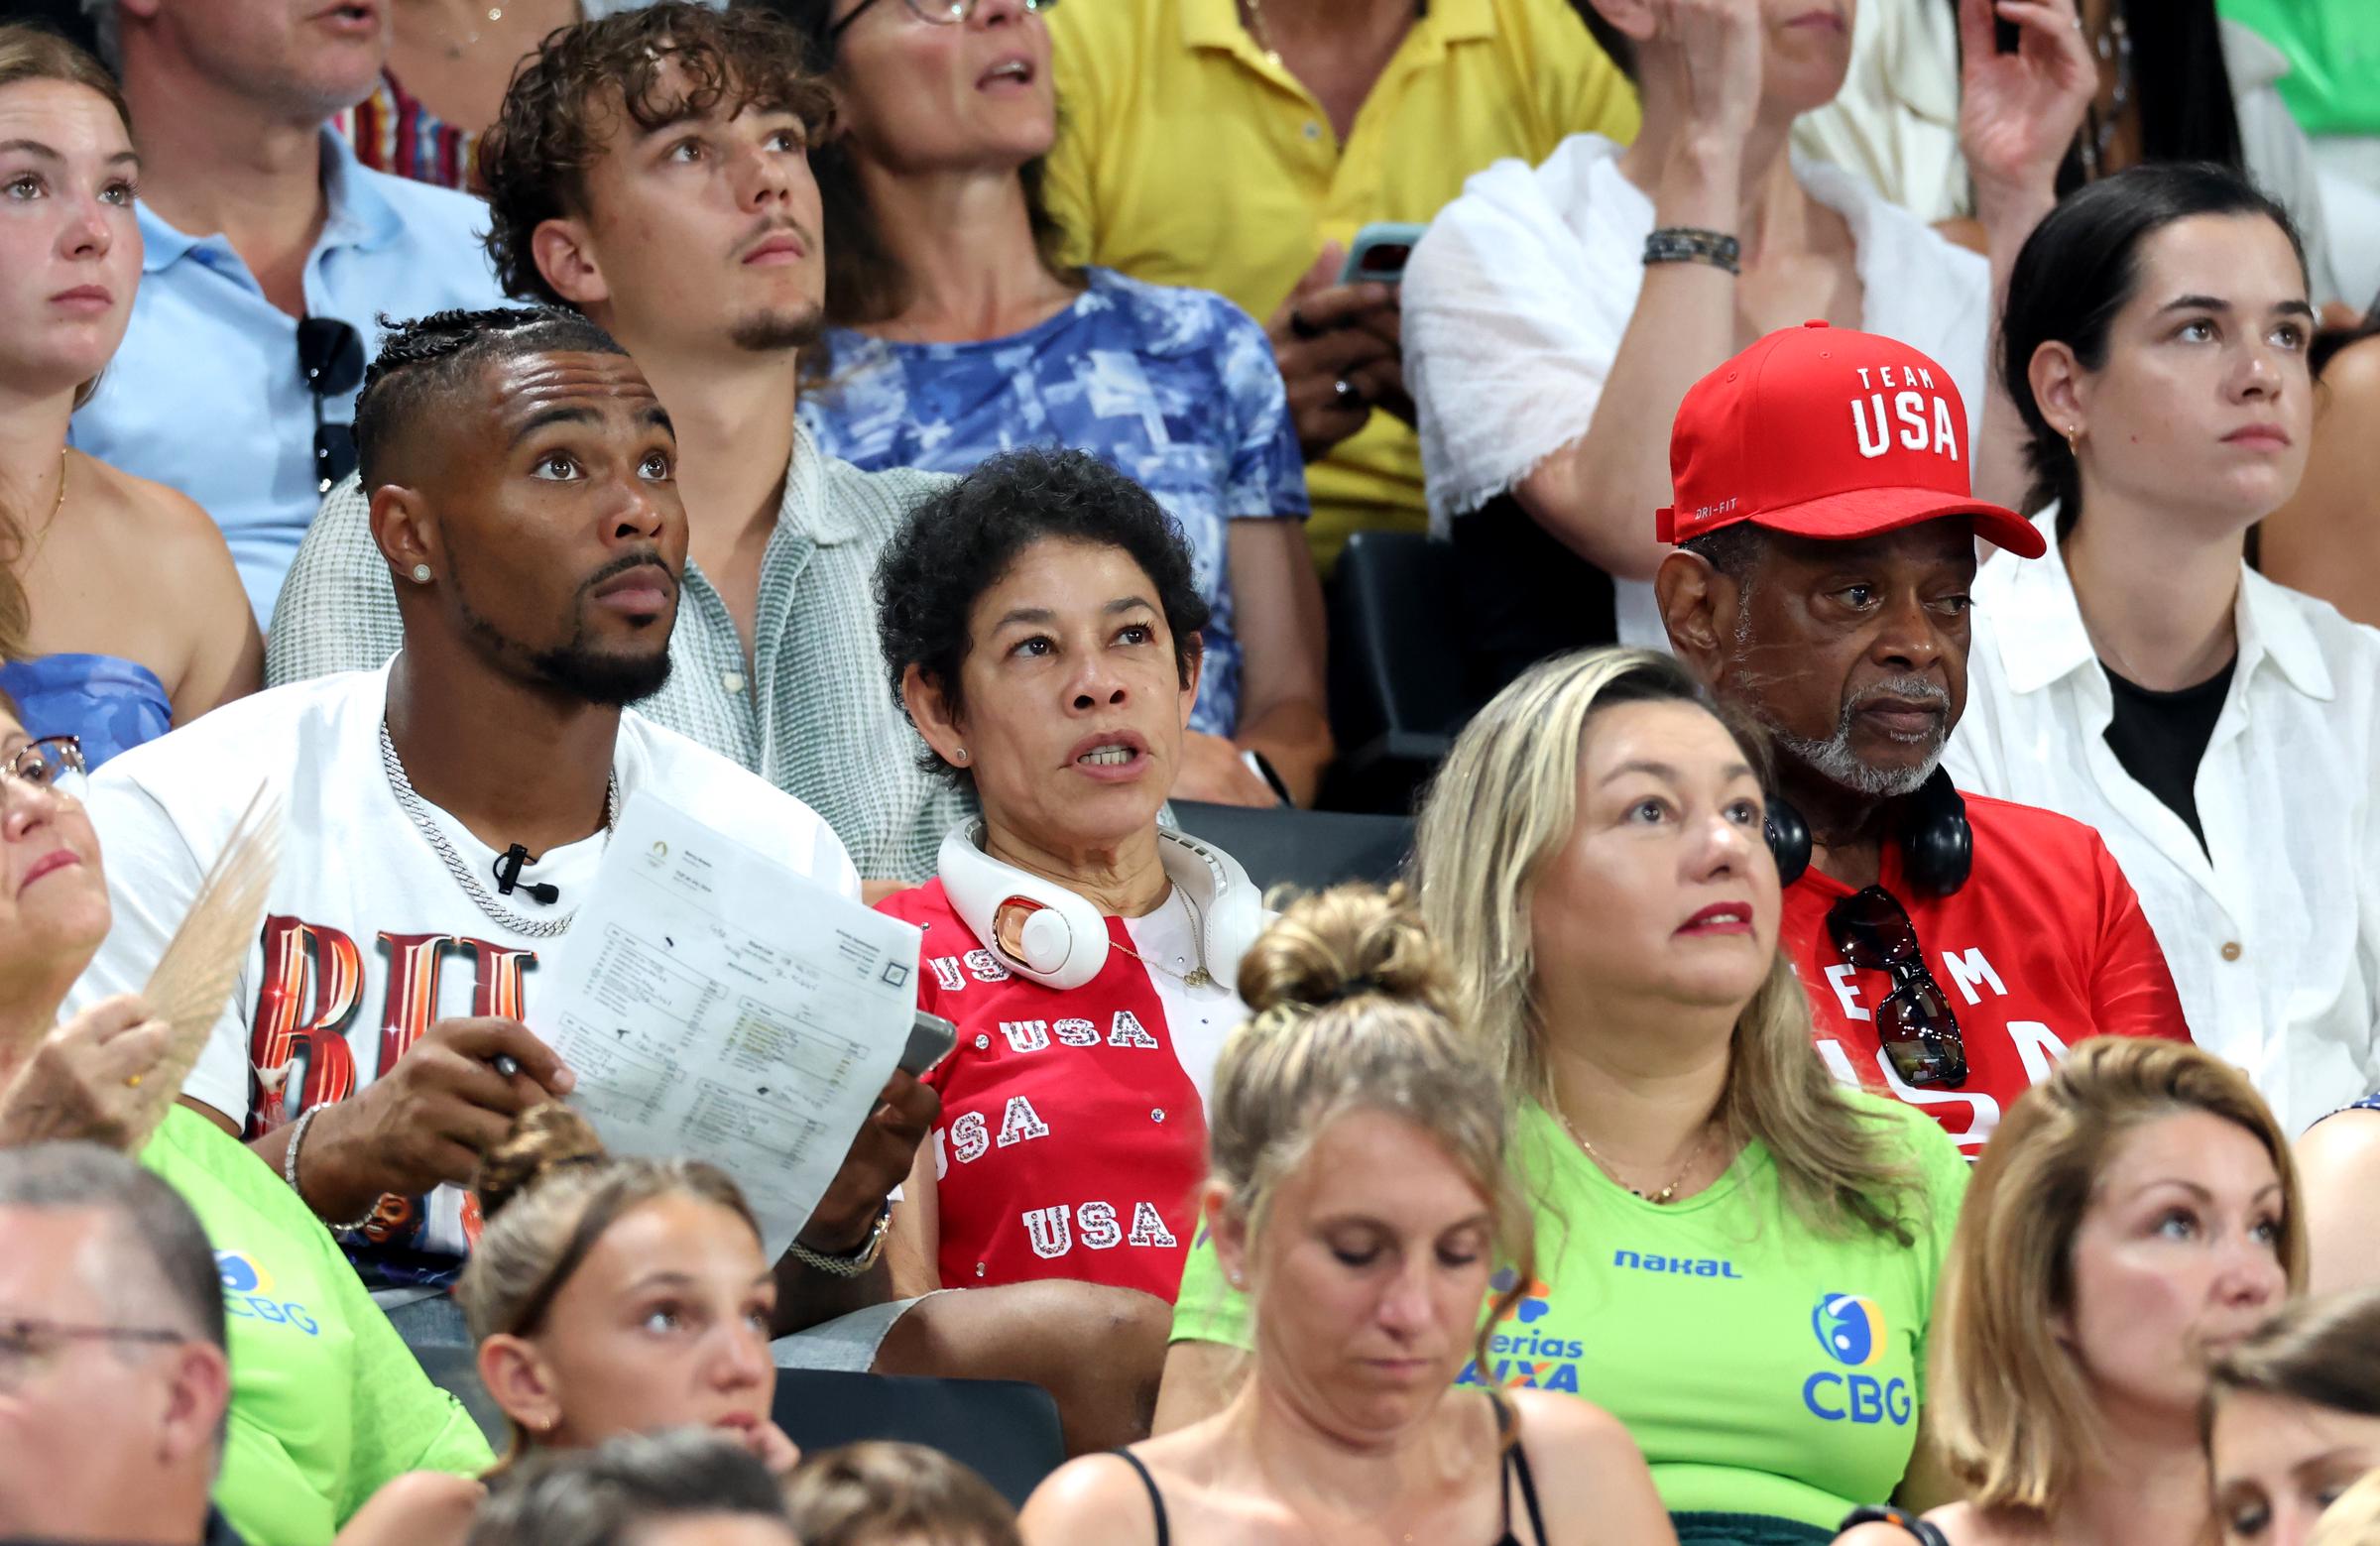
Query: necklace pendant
{"points": [[1197, 978]]}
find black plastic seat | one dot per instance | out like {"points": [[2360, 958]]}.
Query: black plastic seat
{"points": [[1305, 849]]}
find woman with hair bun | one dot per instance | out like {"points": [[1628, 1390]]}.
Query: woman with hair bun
{"points": [[614, 1296], [1361, 1195]]}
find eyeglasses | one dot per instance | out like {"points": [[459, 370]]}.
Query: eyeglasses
{"points": [[25, 1342], [330, 355], [934, 13], [52, 763], [1914, 1023]]}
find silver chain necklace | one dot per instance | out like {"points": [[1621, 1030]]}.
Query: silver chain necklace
{"points": [[418, 809]]}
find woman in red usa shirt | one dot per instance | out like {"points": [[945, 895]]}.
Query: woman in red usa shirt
{"points": [[1040, 619], [1953, 946]]}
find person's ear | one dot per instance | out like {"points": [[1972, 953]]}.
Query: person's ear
{"points": [[2060, 389], [200, 1390], [407, 533], [1194, 667], [566, 259], [1230, 1228], [930, 710], [518, 1380], [1698, 606]]}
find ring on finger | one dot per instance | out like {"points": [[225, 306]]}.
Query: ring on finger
{"points": [[1345, 394], [1301, 328], [132, 1080]]}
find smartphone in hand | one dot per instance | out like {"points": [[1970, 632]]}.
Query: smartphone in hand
{"points": [[1378, 253]]}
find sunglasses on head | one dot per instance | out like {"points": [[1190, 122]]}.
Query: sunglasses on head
{"points": [[330, 356], [1914, 1023]]}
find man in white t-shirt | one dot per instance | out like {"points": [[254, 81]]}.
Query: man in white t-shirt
{"points": [[445, 813]]}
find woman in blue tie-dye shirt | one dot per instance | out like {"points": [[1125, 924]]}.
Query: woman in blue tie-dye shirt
{"points": [[957, 334]]}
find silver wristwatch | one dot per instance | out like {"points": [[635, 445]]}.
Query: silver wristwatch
{"points": [[858, 1261]]}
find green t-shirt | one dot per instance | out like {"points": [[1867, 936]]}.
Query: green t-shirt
{"points": [[1762, 1369], [326, 1401]]}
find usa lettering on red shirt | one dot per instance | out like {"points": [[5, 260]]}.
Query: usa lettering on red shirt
{"points": [[2043, 946], [1073, 1141]]}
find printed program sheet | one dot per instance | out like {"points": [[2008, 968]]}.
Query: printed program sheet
{"points": [[719, 1004]]}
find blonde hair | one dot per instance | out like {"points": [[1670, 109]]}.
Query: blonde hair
{"points": [[33, 53], [547, 1194], [1499, 810], [1353, 1008], [2007, 1401], [882, 1494], [2353, 1520]]}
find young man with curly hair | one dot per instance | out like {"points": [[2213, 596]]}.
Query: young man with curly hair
{"points": [[650, 170]]}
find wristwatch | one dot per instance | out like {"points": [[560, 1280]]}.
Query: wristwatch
{"points": [[859, 1260]]}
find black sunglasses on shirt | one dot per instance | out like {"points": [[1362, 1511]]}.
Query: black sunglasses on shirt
{"points": [[1914, 1023], [330, 355]]}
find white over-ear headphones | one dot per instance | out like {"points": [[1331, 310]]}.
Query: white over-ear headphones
{"points": [[1063, 944]]}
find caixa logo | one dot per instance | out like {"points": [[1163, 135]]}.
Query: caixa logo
{"points": [[1850, 1327], [248, 1292]]}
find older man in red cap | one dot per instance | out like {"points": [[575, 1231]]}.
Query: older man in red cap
{"points": [[1953, 946]]}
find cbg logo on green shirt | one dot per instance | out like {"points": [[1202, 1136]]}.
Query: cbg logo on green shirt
{"points": [[248, 1292], [1850, 1327]]}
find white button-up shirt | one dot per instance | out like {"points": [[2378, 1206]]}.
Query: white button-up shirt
{"points": [[2273, 928]]}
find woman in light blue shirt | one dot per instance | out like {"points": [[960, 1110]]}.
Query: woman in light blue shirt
{"points": [[120, 610], [957, 335]]}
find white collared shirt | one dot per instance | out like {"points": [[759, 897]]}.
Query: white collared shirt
{"points": [[2273, 928]]}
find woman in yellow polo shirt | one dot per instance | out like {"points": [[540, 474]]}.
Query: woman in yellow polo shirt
{"points": [[1239, 146]]}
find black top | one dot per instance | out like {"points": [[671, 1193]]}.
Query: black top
{"points": [[1515, 1469], [2160, 737]]}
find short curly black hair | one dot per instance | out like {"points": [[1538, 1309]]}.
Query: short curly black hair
{"points": [[958, 543], [559, 111]]}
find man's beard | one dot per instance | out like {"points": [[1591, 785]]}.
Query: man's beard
{"points": [[774, 332], [577, 668], [1833, 759]]}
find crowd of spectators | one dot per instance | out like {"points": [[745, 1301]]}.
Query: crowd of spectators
{"points": [[1876, 1033]]}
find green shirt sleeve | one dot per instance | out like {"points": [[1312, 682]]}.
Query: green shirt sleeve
{"points": [[403, 1422], [1208, 1309]]}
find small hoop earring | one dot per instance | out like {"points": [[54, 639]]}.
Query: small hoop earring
{"points": [[421, 574]]}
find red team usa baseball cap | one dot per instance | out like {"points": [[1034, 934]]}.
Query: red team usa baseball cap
{"points": [[1829, 434]]}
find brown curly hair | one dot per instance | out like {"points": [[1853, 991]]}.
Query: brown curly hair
{"points": [[559, 110]]}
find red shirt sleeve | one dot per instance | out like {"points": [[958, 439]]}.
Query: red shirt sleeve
{"points": [[2132, 989]]}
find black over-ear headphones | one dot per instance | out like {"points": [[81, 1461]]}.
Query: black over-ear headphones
{"points": [[1938, 847]]}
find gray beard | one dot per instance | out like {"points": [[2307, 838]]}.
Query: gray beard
{"points": [[1833, 759]]}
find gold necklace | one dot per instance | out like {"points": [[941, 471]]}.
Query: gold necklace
{"points": [[454, 49], [56, 506], [1666, 1193], [1199, 976]]}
